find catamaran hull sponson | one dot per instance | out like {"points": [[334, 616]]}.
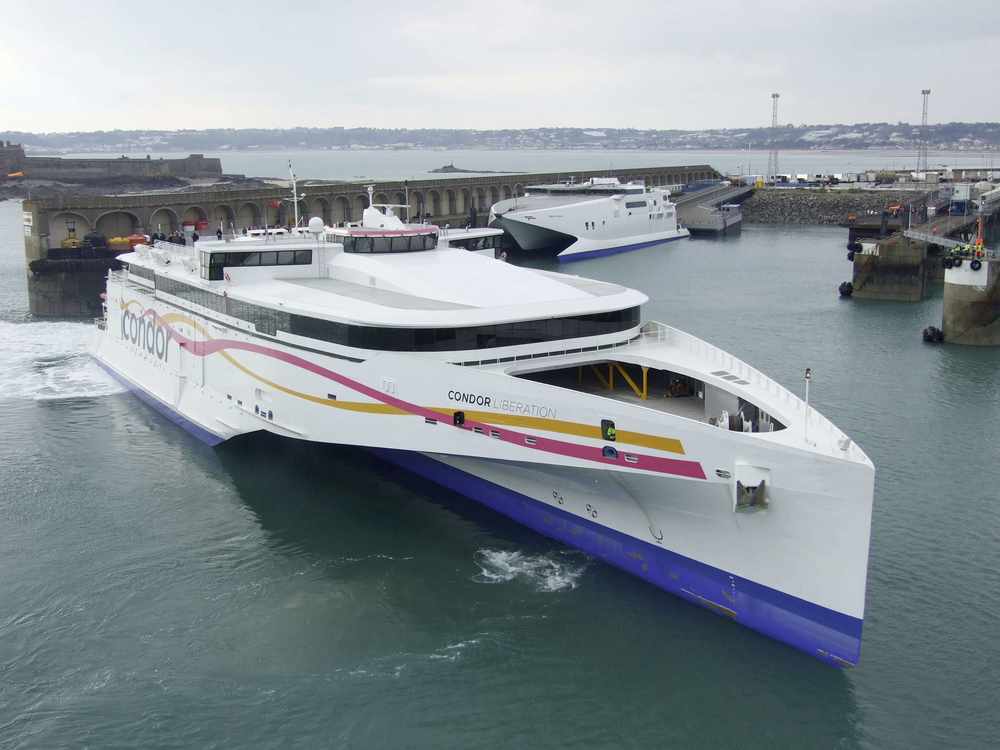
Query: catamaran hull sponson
{"points": [[795, 572], [533, 238]]}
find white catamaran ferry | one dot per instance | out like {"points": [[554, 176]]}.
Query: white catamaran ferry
{"points": [[578, 220], [540, 395]]}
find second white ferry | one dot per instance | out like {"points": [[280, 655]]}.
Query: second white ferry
{"points": [[601, 216], [540, 395]]}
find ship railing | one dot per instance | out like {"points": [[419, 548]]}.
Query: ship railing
{"points": [[816, 427]]}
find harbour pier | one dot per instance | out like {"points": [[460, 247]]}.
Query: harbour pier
{"points": [[897, 253], [66, 275]]}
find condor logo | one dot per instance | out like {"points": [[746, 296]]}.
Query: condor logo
{"points": [[142, 331]]}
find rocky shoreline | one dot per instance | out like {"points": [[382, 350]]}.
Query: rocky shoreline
{"points": [[804, 206]]}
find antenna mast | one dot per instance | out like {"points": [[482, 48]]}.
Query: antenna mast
{"points": [[295, 193], [922, 152], [772, 155]]}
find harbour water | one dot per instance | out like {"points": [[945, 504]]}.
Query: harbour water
{"points": [[159, 593]]}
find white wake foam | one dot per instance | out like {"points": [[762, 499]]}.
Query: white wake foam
{"points": [[549, 572], [49, 361]]}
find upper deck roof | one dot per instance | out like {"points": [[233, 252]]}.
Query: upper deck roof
{"points": [[441, 287]]}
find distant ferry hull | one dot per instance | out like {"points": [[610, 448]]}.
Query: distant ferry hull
{"points": [[534, 238], [589, 224]]}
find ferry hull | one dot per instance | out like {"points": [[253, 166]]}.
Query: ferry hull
{"points": [[569, 248], [828, 635], [795, 572], [831, 636]]}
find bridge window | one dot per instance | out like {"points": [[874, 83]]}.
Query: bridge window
{"points": [[462, 339], [635, 204], [404, 244], [213, 265]]}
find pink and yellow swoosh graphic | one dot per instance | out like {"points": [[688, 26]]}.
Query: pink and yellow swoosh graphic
{"points": [[488, 423]]}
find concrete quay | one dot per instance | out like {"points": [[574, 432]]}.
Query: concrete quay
{"points": [[971, 311], [61, 284]]}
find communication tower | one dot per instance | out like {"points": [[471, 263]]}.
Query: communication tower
{"points": [[772, 155], [922, 152]]}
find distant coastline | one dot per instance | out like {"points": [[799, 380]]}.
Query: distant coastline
{"points": [[974, 137]]}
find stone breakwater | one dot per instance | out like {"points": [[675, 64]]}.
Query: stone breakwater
{"points": [[801, 206]]}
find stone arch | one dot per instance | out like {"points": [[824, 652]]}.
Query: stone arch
{"points": [[518, 190], [416, 205], [66, 224], [360, 204], [222, 215], [434, 203], [194, 214], [271, 214], [506, 192], [164, 220], [466, 197], [451, 204], [481, 199], [341, 209], [117, 223], [248, 216], [320, 207], [494, 195], [381, 198]]}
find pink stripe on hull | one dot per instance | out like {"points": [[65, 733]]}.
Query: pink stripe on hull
{"points": [[676, 467]]}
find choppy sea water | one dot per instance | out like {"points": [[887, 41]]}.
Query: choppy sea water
{"points": [[158, 593]]}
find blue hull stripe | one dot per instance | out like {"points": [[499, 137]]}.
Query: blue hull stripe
{"points": [[195, 429], [614, 250], [828, 635]]}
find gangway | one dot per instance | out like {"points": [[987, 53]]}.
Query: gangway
{"points": [[932, 239]]}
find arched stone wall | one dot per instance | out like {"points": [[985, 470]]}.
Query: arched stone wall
{"points": [[494, 195], [416, 205], [360, 204], [506, 192], [341, 209], [164, 220], [117, 223], [316, 206], [194, 214], [221, 215], [65, 224], [451, 203], [247, 216], [433, 203]]}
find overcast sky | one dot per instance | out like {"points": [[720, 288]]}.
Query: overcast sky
{"points": [[105, 64]]}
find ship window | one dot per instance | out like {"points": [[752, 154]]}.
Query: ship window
{"points": [[462, 339], [408, 243], [635, 204]]}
